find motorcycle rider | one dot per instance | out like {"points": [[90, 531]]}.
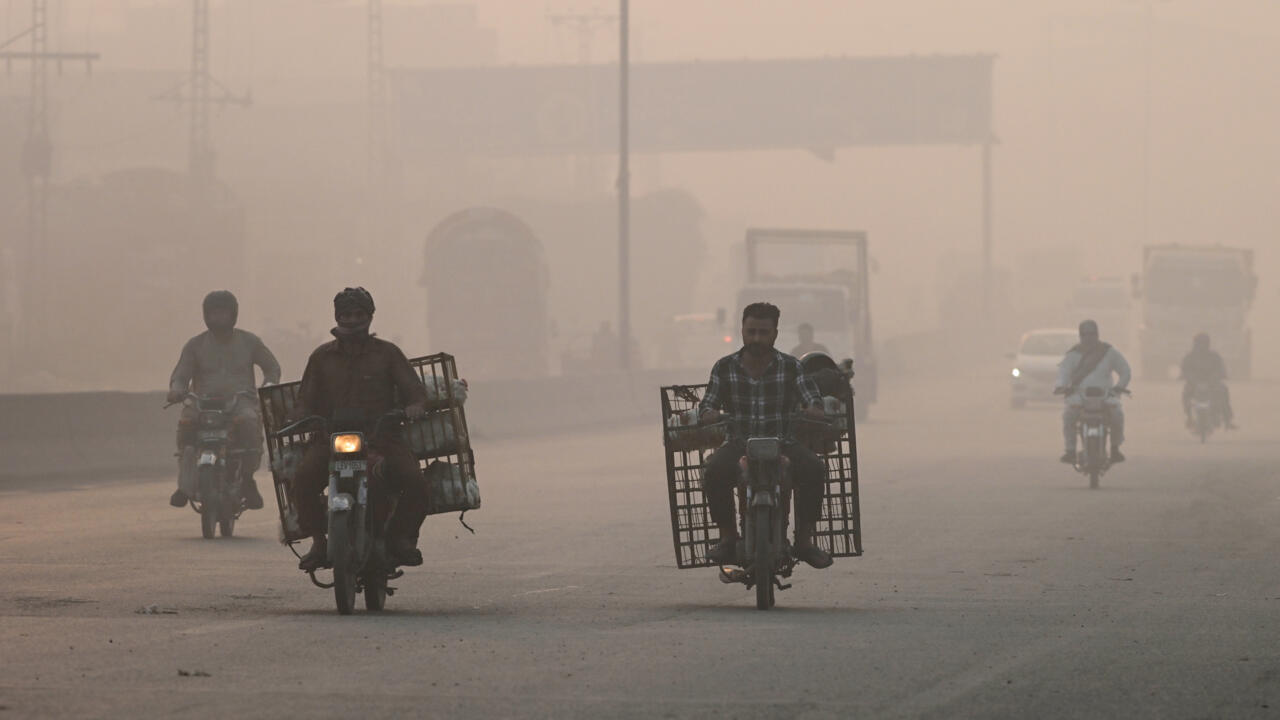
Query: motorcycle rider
{"points": [[219, 362], [1089, 364], [365, 375], [1203, 365], [761, 387], [807, 344]]}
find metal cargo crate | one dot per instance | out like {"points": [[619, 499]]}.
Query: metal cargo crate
{"points": [[441, 440], [839, 529]]}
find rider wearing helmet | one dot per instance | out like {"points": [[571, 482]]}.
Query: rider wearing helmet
{"points": [[360, 375], [1090, 364], [219, 362], [1203, 365]]}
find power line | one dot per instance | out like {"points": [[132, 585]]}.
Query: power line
{"points": [[37, 166], [202, 92]]}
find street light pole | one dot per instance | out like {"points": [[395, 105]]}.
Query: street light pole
{"points": [[1146, 130], [624, 193]]}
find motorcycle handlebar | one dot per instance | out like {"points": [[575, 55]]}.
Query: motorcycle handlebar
{"points": [[312, 419], [725, 419], [296, 426], [197, 398], [1112, 391]]}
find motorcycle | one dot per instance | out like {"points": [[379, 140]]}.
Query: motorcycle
{"points": [[764, 556], [1093, 431], [1205, 417], [357, 519], [219, 497]]}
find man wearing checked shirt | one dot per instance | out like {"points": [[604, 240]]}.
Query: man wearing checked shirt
{"points": [[760, 388]]}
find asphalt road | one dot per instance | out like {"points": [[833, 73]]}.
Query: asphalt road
{"points": [[995, 584]]}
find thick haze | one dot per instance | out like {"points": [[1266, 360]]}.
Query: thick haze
{"points": [[1069, 97]]}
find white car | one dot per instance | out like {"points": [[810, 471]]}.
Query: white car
{"points": [[1035, 365]]}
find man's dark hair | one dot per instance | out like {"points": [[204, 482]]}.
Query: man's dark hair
{"points": [[762, 311]]}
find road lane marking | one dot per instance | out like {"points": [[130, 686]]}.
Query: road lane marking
{"points": [[546, 590]]}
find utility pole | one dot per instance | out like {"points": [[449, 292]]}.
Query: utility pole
{"points": [[624, 189], [986, 228], [1146, 127], [377, 76], [37, 166], [199, 93], [378, 159]]}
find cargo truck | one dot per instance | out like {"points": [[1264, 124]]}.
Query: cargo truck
{"points": [[1188, 289], [819, 278]]}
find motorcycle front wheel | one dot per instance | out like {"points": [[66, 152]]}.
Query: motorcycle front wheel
{"points": [[762, 560], [342, 549]]}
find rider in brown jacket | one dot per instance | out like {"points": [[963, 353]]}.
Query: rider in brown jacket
{"points": [[358, 374]]}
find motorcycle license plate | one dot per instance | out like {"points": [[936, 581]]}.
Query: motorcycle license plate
{"points": [[208, 435], [347, 468], [1093, 432]]}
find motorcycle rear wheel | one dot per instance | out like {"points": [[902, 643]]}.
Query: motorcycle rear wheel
{"points": [[209, 501], [227, 523], [762, 559], [375, 591], [344, 570]]}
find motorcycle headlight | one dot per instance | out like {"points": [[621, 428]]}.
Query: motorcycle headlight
{"points": [[1017, 372], [347, 443]]}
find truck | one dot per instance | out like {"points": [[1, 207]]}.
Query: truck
{"points": [[819, 278], [487, 280], [1188, 289]]}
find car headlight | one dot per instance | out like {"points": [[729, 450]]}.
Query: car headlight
{"points": [[1017, 372], [346, 443]]}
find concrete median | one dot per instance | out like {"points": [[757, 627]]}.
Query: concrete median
{"points": [[115, 433]]}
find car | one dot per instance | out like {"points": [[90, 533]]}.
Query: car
{"points": [[1035, 364]]}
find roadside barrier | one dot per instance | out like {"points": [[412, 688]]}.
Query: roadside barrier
{"points": [[115, 433]]}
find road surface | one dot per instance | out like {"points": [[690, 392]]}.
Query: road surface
{"points": [[995, 584]]}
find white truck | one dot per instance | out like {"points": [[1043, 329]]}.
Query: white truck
{"points": [[1188, 289], [819, 278]]}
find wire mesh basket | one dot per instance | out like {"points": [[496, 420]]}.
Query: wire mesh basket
{"points": [[839, 529], [440, 441]]}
